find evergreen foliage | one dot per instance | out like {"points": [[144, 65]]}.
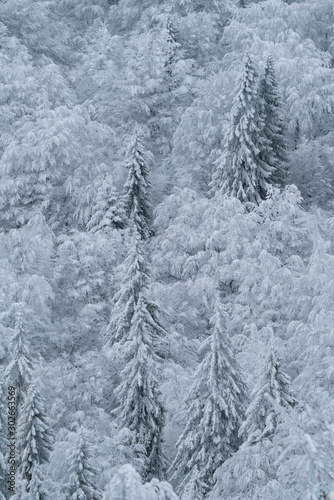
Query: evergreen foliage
{"points": [[34, 435], [37, 489], [81, 472], [273, 388], [140, 406], [216, 405], [136, 189], [274, 154], [241, 171], [18, 371]]}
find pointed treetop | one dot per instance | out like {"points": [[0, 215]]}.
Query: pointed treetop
{"points": [[272, 389]]}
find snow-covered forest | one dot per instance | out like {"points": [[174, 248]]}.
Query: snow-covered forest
{"points": [[167, 249]]}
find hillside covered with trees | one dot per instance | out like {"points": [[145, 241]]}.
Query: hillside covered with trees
{"points": [[167, 249]]}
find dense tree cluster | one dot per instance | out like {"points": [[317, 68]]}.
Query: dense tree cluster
{"points": [[167, 248]]}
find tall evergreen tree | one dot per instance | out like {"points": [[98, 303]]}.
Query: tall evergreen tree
{"points": [[18, 371], [124, 302], [34, 435], [81, 486], [215, 412], [136, 195], [275, 154], [140, 406], [272, 389], [241, 171], [254, 462]]}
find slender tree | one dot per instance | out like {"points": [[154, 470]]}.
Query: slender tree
{"points": [[18, 371], [215, 412], [241, 172], [123, 305], [82, 473], [136, 196], [272, 389], [270, 101], [34, 435], [140, 406]]}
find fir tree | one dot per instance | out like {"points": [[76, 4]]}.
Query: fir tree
{"points": [[140, 407], [107, 211], [241, 172], [272, 389], [275, 154], [18, 371], [81, 485], [34, 435], [136, 196], [215, 412], [124, 302], [37, 489]]}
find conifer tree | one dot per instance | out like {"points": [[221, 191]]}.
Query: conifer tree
{"points": [[107, 210], [241, 172], [270, 101], [136, 196], [140, 406], [215, 412], [272, 389], [124, 302], [34, 435], [18, 371], [37, 489], [82, 473]]}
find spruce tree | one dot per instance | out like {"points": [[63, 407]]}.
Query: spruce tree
{"points": [[140, 406], [124, 302], [272, 389], [241, 172], [215, 412], [34, 435], [136, 189], [270, 101], [37, 489], [82, 473], [107, 210], [18, 371]]}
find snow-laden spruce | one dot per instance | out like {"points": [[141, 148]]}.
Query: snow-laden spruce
{"points": [[272, 389], [140, 404], [107, 211], [137, 334], [37, 489], [82, 474], [135, 281], [252, 471], [215, 409], [136, 189], [18, 371], [241, 169], [275, 153], [34, 435]]}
